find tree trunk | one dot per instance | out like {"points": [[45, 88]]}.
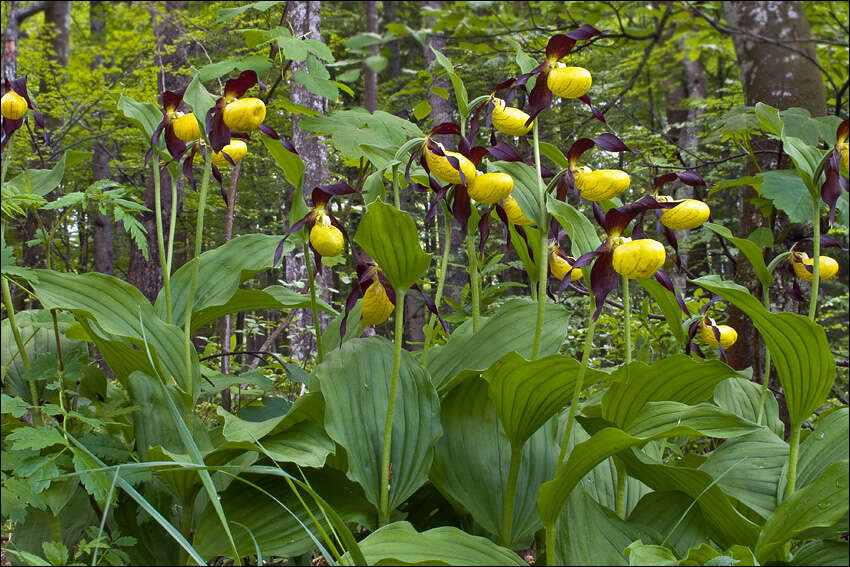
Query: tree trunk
{"points": [[15, 18], [170, 54], [782, 78], [305, 19], [370, 90], [394, 62], [104, 246]]}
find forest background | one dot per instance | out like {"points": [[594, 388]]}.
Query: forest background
{"points": [[677, 81]]}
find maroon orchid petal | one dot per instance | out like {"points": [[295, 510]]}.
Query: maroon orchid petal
{"points": [[217, 176], [176, 146], [561, 187], [831, 188], [598, 214], [455, 163], [637, 231], [461, 207], [335, 222], [665, 280], [559, 46], [217, 130], [338, 188], [350, 301], [187, 167], [505, 85], [158, 132], [611, 143], [617, 219], [445, 128], [268, 131], [693, 329], [523, 79], [595, 111], [475, 121], [171, 100], [586, 31], [388, 287], [432, 307], [540, 97], [317, 262], [441, 194], [407, 177], [463, 146], [687, 177], [503, 151], [579, 147], [603, 279], [9, 127], [484, 230], [826, 241], [19, 85], [235, 88], [476, 154], [545, 172]]}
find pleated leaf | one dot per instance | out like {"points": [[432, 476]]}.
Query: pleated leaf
{"points": [[390, 236], [798, 348], [658, 421], [473, 459], [120, 309], [400, 544], [661, 510], [221, 271], [748, 248], [742, 398], [669, 307], [678, 378], [510, 329], [527, 393], [580, 230], [820, 504], [355, 382], [759, 459], [827, 444]]}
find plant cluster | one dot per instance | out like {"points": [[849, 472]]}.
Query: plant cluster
{"points": [[473, 448]]}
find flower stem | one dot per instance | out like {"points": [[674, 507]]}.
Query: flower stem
{"points": [[320, 353], [199, 234], [550, 544], [396, 197], [384, 508], [585, 361], [160, 243], [474, 280], [510, 495], [627, 316], [813, 302], [542, 226], [170, 254], [10, 313], [766, 378], [621, 489], [441, 281]]}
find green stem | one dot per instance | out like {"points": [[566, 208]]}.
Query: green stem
{"points": [[766, 378], [7, 158], [550, 545], [510, 495], [542, 261], [170, 254], [199, 234], [320, 353], [10, 313], [160, 243], [474, 280], [813, 303], [186, 528], [794, 443], [384, 508], [621, 489], [585, 361], [627, 316], [396, 197], [441, 280]]}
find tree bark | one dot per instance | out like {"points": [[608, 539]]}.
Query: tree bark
{"points": [[782, 78], [305, 19], [171, 54], [370, 90], [104, 246]]}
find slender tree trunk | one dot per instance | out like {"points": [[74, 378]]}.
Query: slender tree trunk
{"points": [[171, 54], [104, 246], [305, 19], [370, 90], [782, 78]]}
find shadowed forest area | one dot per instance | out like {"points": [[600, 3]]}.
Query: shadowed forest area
{"points": [[461, 283]]}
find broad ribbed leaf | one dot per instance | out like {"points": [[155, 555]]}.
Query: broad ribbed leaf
{"points": [[827, 444], [526, 188], [742, 398], [36, 328], [120, 309], [400, 544], [472, 462], [759, 459], [798, 347], [355, 381], [275, 528], [661, 510], [659, 420], [510, 329], [292, 165], [820, 504], [580, 230], [669, 307], [748, 248], [526, 394], [272, 297], [590, 534], [823, 553], [221, 271], [390, 236], [678, 378], [37, 181]]}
